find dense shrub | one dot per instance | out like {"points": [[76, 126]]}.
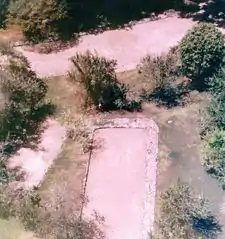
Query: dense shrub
{"points": [[184, 215], [213, 114], [55, 218], [216, 83], [98, 77], [202, 52], [158, 72], [133, 105], [212, 130], [161, 79], [38, 19], [24, 97], [213, 154], [21, 84], [216, 112]]}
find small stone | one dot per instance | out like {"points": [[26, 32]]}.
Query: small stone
{"points": [[169, 121]]}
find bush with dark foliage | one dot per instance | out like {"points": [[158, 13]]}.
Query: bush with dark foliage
{"points": [[213, 155], [202, 52], [161, 79], [38, 19], [98, 77], [24, 93]]}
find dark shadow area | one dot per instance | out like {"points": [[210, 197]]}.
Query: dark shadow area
{"points": [[97, 16], [168, 97], [208, 227], [3, 12], [133, 106], [209, 11], [43, 111], [18, 131]]}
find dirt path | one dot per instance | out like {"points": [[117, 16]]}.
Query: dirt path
{"points": [[34, 163], [126, 46]]}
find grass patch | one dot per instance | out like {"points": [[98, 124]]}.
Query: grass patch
{"points": [[70, 165], [130, 79], [65, 95]]}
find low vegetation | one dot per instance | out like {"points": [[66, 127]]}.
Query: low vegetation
{"points": [[161, 79], [98, 77], [185, 215], [159, 72], [5, 175], [213, 152], [53, 218], [213, 114]]}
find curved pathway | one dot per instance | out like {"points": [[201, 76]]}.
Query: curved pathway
{"points": [[127, 46]]}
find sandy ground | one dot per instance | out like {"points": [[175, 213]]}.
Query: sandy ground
{"points": [[12, 229], [127, 46], [35, 163], [121, 180]]}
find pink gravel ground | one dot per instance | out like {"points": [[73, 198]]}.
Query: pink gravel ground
{"points": [[35, 163], [127, 46], [118, 182]]}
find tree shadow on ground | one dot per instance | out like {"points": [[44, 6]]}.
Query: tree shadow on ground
{"points": [[3, 12], [95, 17], [208, 227], [168, 97], [208, 11], [28, 134]]}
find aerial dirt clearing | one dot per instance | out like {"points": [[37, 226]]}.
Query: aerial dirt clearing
{"points": [[121, 179], [34, 163], [127, 46]]}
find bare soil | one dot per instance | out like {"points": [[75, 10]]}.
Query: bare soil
{"points": [[34, 163], [131, 145], [127, 46]]}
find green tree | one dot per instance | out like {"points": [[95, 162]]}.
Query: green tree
{"points": [[202, 52], [24, 97], [38, 19]]}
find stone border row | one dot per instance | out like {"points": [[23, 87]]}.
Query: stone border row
{"points": [[150, 164]]}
